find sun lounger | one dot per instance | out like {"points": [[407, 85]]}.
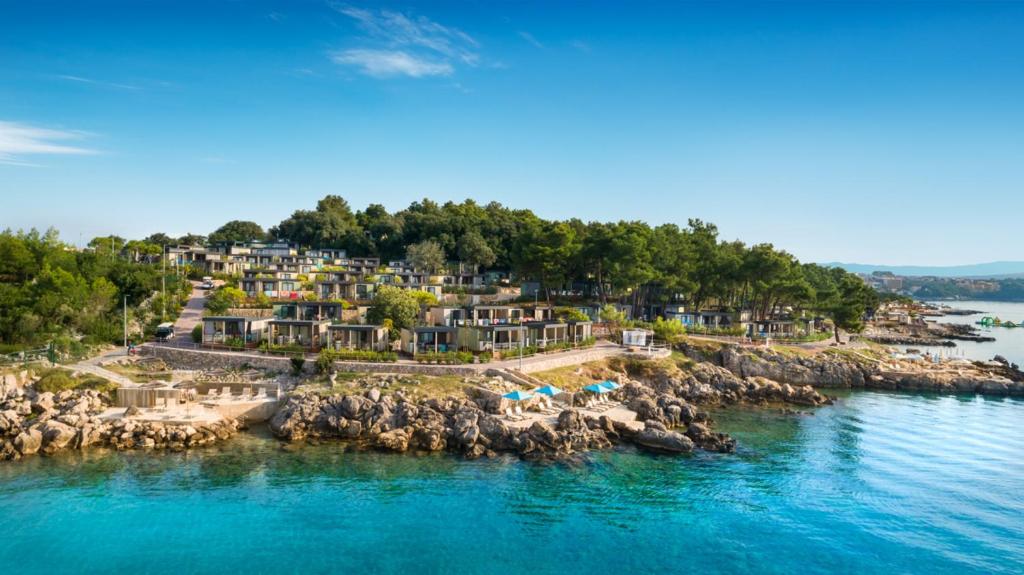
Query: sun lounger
{"points": [[261, 393], [225, 392], [509, 415], [211, 393], [519, 412]]}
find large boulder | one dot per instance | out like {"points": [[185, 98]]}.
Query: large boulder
{"points": [[708, 440], [353, 406], [29, 441], [10, 422], [657, 438], [56, 435], [43, 402], [571, 421], [394, 440]]}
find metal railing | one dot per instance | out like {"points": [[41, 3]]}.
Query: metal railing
{"points": [[25, 356]]}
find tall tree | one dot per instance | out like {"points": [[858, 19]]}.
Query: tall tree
{"points": [[394, 304], [426, 255], [331, 225], [474, 250], [237, 231]]}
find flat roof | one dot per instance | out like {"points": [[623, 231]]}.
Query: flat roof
{"points": [[300, 321], [433, 328], [354, 326]]}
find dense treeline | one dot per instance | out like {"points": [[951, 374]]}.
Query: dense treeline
{"points": [[608, 261], [51, 291]]}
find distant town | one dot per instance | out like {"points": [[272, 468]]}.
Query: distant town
{"points": [[947, 288]]}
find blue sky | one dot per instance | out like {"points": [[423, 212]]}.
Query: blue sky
{"points": [[869, 132]]}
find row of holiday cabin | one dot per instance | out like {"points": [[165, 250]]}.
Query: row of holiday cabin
{"points": [[316, 325]]}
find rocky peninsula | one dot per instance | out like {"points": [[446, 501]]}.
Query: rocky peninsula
{"points": [[862, 369], [43, 422]]}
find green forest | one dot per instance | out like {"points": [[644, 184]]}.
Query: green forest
{"points": [[628, 261], [52, 292]]}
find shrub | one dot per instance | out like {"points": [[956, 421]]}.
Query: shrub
{"points": [[324, 361], [298, 362], [445, 358], [197, 334], [668, 330], [329, 356], [57, 380], [235, 342]]}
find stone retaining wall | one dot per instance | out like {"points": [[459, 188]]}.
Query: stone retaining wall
{"points": [[196, 359]]}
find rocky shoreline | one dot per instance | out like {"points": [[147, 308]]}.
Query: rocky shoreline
{"points": [[33, 422], [666, 400], [849, 370], [669, 399]]}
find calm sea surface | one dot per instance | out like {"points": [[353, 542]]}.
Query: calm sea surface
{"points": [[1009, 341], [880, 483]]}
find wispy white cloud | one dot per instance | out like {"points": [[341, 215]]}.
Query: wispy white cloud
{"points": [[580, 45], [82, 80], [216, 160], [18, 140], [390, 63], [399, 44], [529, 38]]}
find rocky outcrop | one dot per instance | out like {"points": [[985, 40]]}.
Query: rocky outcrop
{"points": [[393, 423], [708, 384], [830, 370], [47, 423]]}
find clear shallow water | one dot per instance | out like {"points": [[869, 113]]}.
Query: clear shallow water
{"points": [[879, 483], [1009, 341]]}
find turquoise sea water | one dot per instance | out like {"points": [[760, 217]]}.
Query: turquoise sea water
{"points": [[880, 483]]}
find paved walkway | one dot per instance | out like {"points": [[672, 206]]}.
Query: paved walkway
{"points": [[539, 362], [618, 412], [192, 314], [92, 366]]}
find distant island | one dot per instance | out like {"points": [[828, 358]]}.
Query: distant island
{"points": [[989, 270]]}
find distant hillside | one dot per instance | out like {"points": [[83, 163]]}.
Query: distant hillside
{"points": [[986, 270]]}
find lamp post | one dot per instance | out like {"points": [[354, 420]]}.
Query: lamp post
{"points": [[522, 334], [163, 284]]}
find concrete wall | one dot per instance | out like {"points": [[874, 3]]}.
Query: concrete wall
{"points": [[544, 363]]}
